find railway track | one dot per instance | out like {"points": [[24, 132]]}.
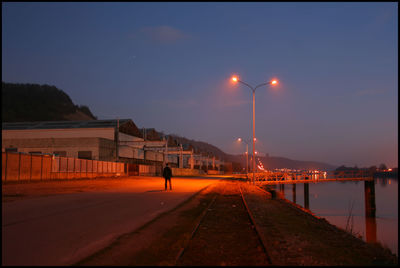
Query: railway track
{"points": [[225, 234]]}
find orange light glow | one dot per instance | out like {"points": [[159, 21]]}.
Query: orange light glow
{"points": [[239, 139], [274, 82], [235, 79]]}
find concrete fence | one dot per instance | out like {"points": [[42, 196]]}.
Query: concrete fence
{"points": [[186, 172], [147, 170], [29, 167]]}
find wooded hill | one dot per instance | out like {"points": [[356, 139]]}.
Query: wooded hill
{"points": [[33, 102]]}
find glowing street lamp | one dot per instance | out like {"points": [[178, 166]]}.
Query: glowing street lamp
{"points": [[253, 89]]}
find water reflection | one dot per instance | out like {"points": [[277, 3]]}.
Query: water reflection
{"points": [[374, 212]]}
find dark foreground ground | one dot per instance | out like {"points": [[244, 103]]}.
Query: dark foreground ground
{"points": [[227, 237], [292, 236]]}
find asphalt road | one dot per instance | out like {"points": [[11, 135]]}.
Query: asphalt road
{"points": [[62, 229]]}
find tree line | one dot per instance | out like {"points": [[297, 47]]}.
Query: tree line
{"points": [[34, 102]]}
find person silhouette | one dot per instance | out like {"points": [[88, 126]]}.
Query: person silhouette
{"points": [[167, 174]]}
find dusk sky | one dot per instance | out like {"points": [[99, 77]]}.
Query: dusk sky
{"points": [[168, 66]]}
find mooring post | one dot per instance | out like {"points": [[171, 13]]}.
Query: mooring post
{"points": [[294, 192], [370, 211], [306, 196]]}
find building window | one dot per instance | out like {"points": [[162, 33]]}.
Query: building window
{"points": [[60, 153], [85, 154], [11, 150]]}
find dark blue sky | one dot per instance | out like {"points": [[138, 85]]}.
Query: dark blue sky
{"points": [[168, 66]]}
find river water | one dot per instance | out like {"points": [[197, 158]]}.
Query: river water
{"points": [[351, 204]]}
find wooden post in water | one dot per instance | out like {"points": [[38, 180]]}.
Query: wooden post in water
{"points": [[306, 197], [370, 211], [294, 192], [282, 190], [369, 194]]}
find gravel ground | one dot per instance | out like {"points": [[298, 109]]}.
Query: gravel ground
{"points": [[295, 237]]}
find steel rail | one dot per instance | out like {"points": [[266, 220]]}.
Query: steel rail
{"points": [[204, 213], [257, 229], [181, 251]]}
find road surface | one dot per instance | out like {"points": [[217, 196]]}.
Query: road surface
{"points": [[63, 228]]}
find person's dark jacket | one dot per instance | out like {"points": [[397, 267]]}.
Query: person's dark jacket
{"points": [[167, 173]]}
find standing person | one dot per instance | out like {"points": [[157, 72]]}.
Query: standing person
{"points": [[167, 174]]}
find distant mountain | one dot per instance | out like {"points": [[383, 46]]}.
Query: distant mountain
{"points": [[269, 162], [34, 102]]}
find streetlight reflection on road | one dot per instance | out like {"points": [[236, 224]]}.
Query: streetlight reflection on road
{"points": [[273, 82]]}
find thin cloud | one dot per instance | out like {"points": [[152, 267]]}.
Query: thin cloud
{"points": [[163, 34]]}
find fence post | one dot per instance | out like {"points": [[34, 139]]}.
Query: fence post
{"points": [[59, 167], [51, 166], [19, 164], [67, 167], [30, 178], [41, 167], [5, 172]]}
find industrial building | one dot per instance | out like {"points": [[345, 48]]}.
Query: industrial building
{"points": [[117, 140]]}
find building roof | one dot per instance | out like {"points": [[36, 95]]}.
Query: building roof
{"points": [[126, 126], [64, 124]]}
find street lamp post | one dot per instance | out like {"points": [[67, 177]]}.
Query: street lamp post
{"points": [[253, 89]]}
